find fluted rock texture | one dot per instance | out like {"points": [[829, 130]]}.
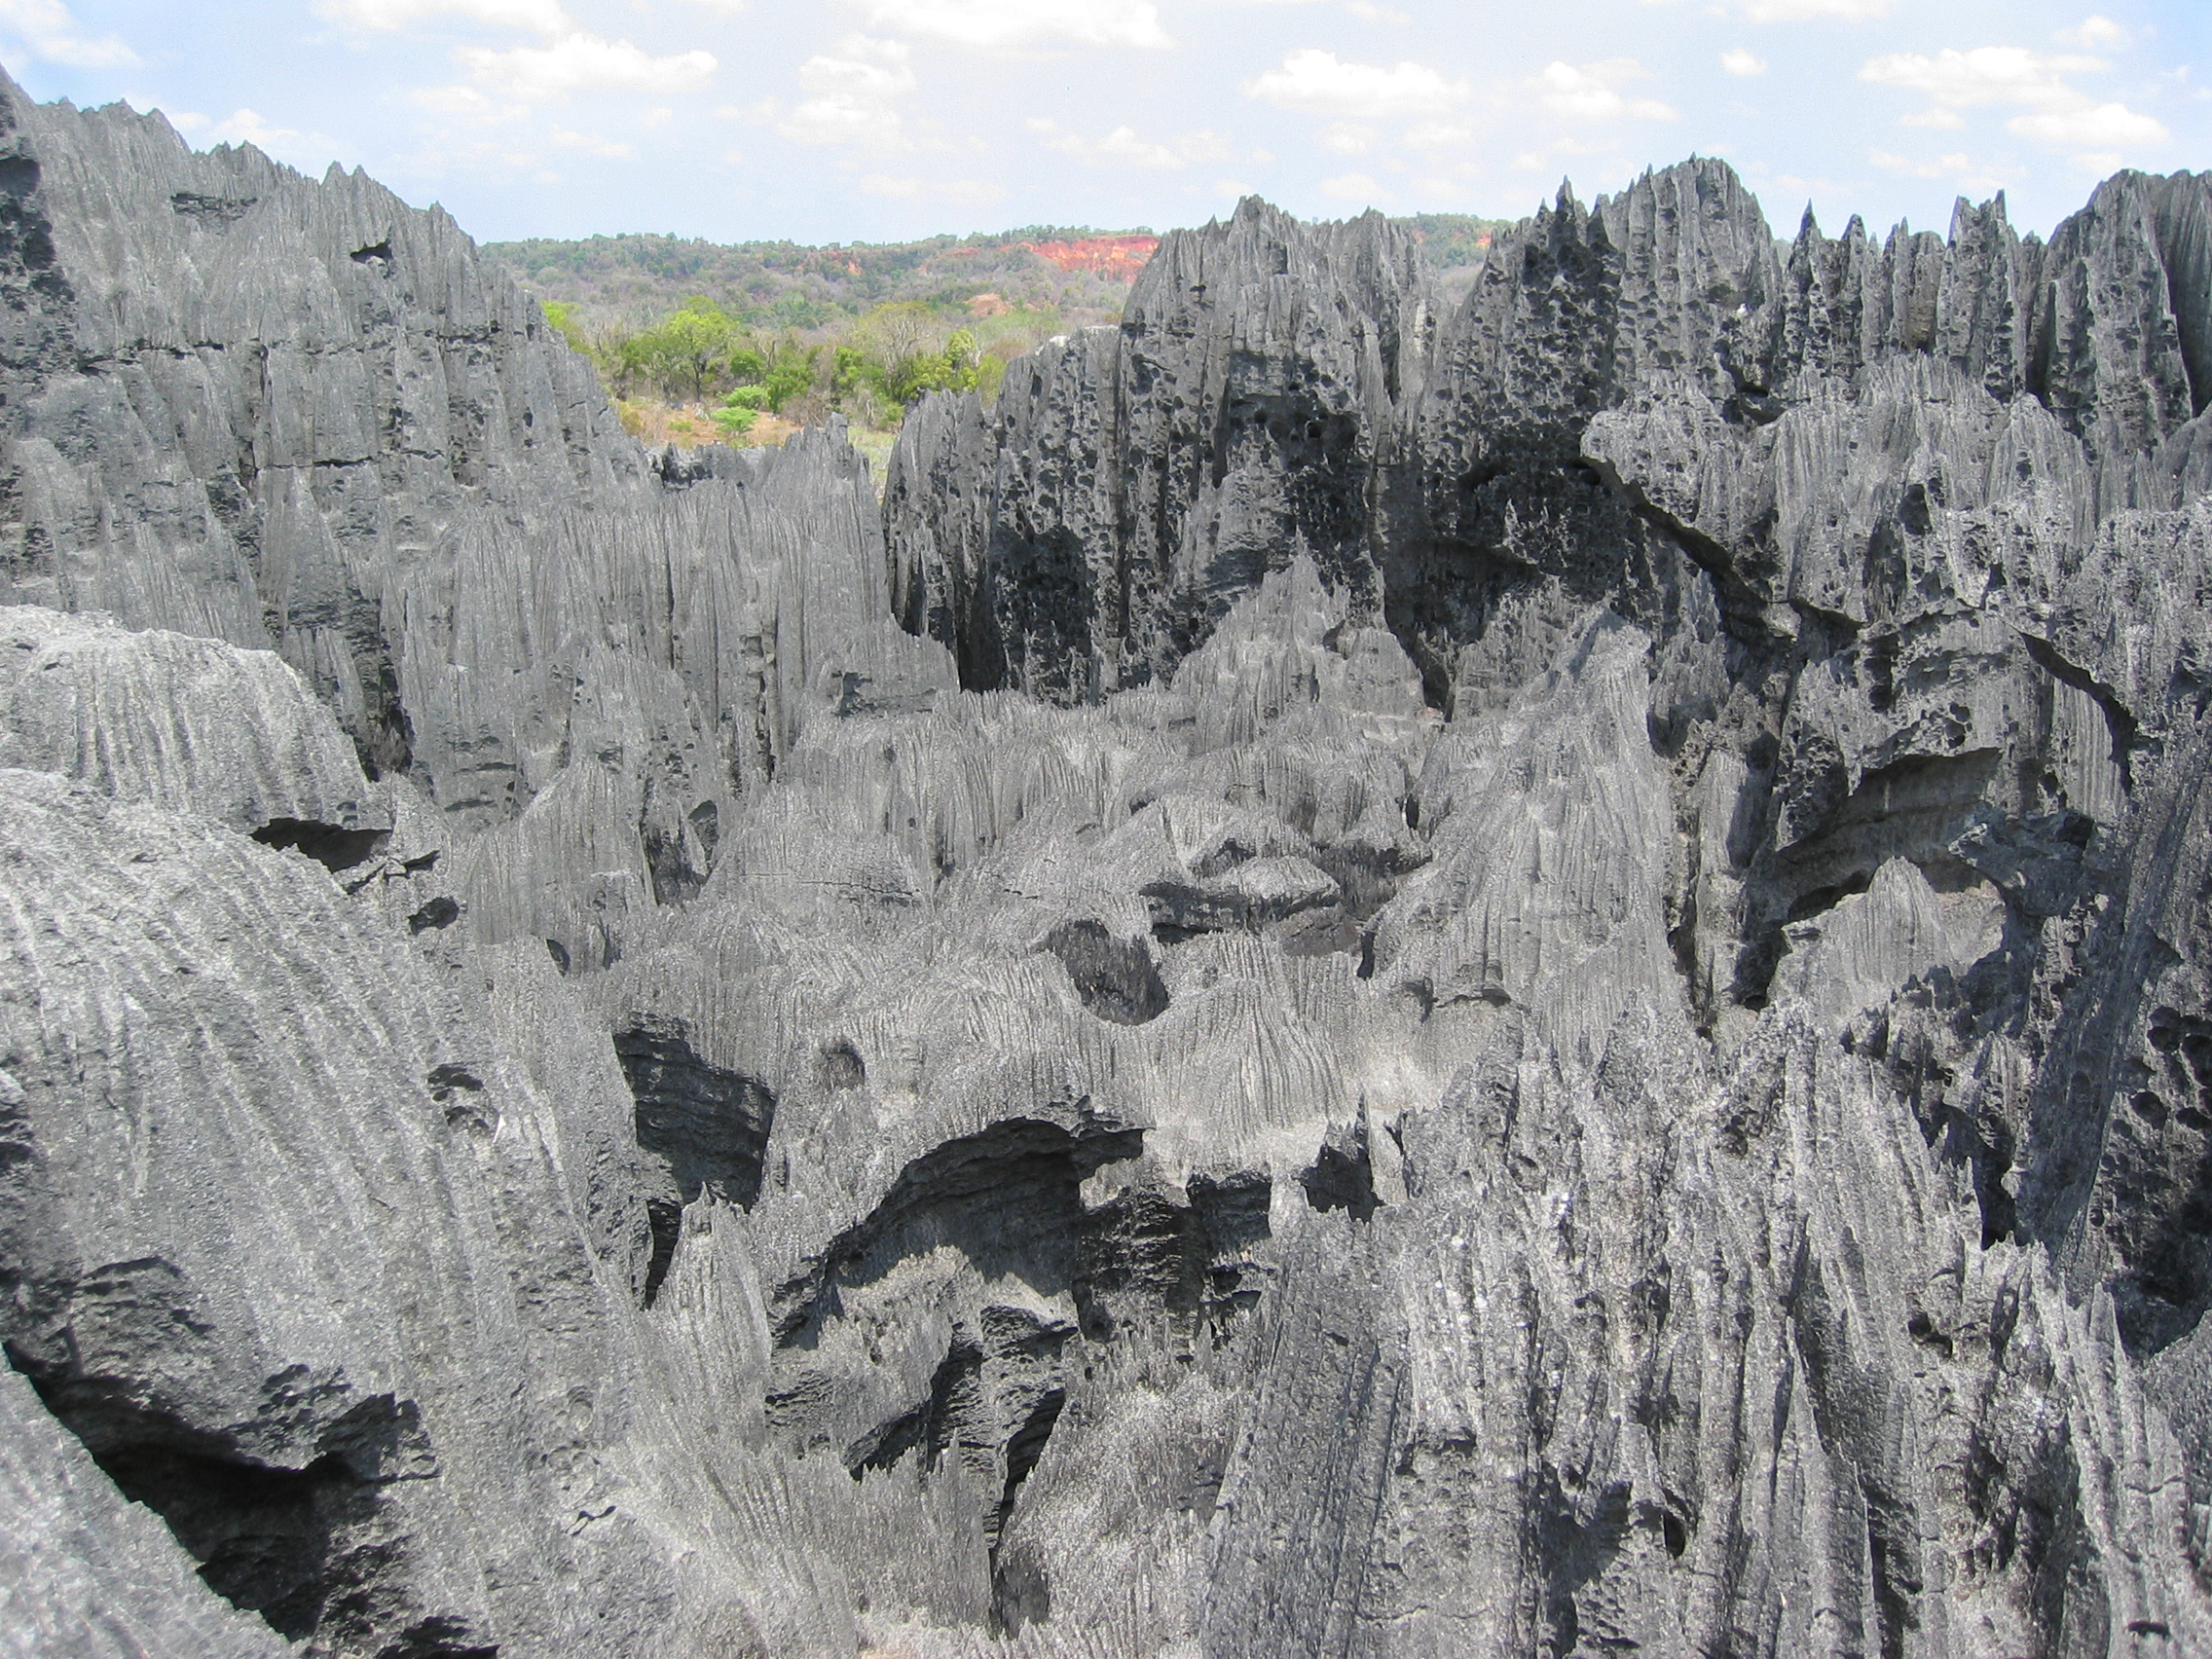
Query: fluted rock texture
{"points": [[1358, 982]]}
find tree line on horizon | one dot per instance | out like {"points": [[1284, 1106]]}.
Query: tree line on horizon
{"points": [[700, 355]]}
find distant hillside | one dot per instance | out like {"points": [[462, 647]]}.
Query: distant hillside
{"points": [[1079, 273], [779, 286]]}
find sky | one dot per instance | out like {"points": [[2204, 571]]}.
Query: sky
{"points": [[885, 120]]}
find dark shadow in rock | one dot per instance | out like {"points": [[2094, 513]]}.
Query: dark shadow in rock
{"points": [[1913, 809], [1181, 911], [667, 863], [841, 1065], [262, 1537], [1023, 1453], [2159, 1162], [440, 912], [459, 1092], [1343, 1175], [312, 1549], [1021, 1591], [2036, 862], [1577, 1535], [330, 845], [1116, 979], [703, 1128], [1009, 1198], [929, 1426], [1370, 876], [992, 1404], [707, 823], [1141, 1252], [219, 212]]}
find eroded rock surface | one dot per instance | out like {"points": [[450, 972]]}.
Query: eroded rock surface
{"points": [[1368, 980]]}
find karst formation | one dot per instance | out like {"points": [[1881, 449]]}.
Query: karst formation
{"points": [[1364, 977]]}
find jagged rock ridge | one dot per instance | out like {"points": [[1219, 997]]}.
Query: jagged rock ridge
{"points": [[1368, 982]]}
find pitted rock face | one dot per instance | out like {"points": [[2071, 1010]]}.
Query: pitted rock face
{"points": [[1363, 979]]}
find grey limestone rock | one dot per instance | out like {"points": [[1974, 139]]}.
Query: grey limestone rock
{"points": [[87, 1571], [1361, 980], [1134, 482]]}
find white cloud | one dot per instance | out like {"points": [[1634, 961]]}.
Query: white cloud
{"points": [[245, 127], [452, 100], [2092, 32], [1794, 11], [591, 144], [1742, 62], [1015, 25], [851, 95], [109, 51], [579, 63], [1439, 135], [51, 33], [1120, 145], [1591, 92], [1449, 191], [1948, 120], [1890, 163], [2108, 127], [2056, 113], [1957, 167], [1987, 75], [1803, 11], [1319, 83], [1343, 138], [1368, 12], [907, 189], [542, 16], [1123, 147], [1353, 187]]}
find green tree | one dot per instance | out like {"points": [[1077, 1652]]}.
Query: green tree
{"points": [[561, 317], [622, 362], [963, 360], [791, 373], [990, 376], [910, 377], [689, 347], [748, 365], [849, 371]]}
